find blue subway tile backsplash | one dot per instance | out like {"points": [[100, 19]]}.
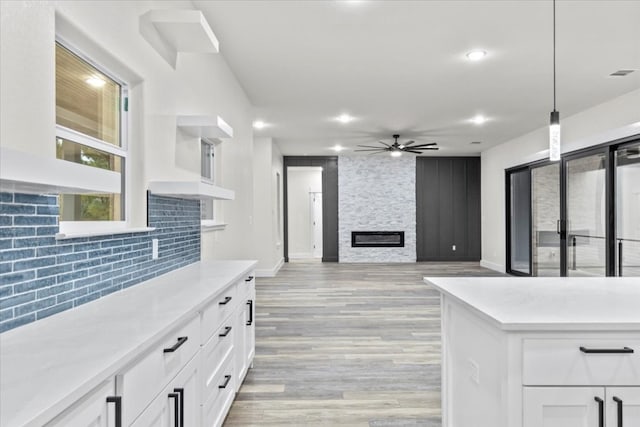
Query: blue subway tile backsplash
{"points": [[41, 276]]}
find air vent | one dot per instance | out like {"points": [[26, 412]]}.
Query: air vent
{"points": [[621, 73], [475, 142]]}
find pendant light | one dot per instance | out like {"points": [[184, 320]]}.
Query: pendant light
{"points": [[554, 123]]}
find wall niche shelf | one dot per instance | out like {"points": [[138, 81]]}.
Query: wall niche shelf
{"points": [[190, 190], [22, 172], [205, 126], [170, 31]]}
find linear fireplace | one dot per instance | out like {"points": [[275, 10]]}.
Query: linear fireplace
{"points": [[377, 239]]}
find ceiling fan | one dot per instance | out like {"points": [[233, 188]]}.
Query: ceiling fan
{"points": [[396, 149]]}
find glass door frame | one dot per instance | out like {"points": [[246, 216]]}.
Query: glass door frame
{"points": [[609, 150]]}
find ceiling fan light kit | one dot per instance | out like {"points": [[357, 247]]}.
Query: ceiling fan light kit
{"points": [[396, 149]]}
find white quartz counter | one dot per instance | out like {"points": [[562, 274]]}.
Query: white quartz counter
{"points": [[47, 365], [543, 304]]}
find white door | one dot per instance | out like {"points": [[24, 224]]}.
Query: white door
{"points": [[563, 406], [316, 224], [625, 401]]}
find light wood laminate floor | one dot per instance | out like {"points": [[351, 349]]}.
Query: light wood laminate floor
{"points": [[346, 345]]}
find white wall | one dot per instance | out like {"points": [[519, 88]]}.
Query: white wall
{"points": [[300, 182], [267, 165], [202, 84], [611, 120]]}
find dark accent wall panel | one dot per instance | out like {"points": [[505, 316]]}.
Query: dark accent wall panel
{"points": [[329, 166], [448, 208]]}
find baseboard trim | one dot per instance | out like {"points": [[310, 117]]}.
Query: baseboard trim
{"points": [[270, 272], [492, 266]]}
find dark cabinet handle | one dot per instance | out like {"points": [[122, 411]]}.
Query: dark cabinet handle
{"points": [[620, 404], [227, 329], [226, 301], [248, 279], [118, 401], [181, 340], [227, 378], [600, 411], [176, 408], [180, 391], [623, 350], [250, 304]]}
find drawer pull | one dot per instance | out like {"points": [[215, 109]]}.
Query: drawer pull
{"points": [[226, 301], [118, 409], [619, 404], [176, 408], [227, 329], [250, 304], [181, 340], [623, 350], [227, 378], [600, 411], [180, 391], [248, 279]]}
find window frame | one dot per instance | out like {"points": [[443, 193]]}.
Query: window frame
{"points": [[122, 150]]}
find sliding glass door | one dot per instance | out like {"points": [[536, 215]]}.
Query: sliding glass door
{"points": [[586, 215], [519, 222], [545, 220], [627, 178], [577, 217]]}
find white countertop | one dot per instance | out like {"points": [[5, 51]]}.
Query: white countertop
{"points": [[544, 304], [47, 365]]}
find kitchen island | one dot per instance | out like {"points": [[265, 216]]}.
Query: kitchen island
{"points": [[533, 352]]}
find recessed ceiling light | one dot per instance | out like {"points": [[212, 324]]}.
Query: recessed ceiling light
{"points": [[259, 124], [478, 120], [476, 55], [95, 81], [344, 118], [337, 148]]}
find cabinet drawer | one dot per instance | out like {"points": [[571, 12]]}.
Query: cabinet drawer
{"points": [[145, 379], [214, 355], [216, 312], [562, 362], [218, 403]]}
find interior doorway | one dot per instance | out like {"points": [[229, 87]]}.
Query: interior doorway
{"points": [[304, 212]]}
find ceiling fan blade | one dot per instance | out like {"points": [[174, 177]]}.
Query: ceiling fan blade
{"points": [[430, 144], [412, 151], [373, 149], [406, 144], [371, 146], [382, 142]]}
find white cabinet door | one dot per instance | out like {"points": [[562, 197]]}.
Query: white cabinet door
{"points": [[241, 317], [623, 406], [178, 405], [250, 340], [563, 406], [92, 410]]}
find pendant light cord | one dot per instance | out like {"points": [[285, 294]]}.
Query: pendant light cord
{"points": [[554, 55]]}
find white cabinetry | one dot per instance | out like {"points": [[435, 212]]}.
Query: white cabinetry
{"points": [[168, 358], [97, 409], [245, 324], [495, 377], [178, 404]]}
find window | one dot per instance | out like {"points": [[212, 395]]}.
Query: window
{"points": [[207, 172], [90, 124]]}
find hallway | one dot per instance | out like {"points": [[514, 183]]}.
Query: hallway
{"points": [[347, 344]]}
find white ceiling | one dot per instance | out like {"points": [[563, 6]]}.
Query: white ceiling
{"points": [[400, 67]]}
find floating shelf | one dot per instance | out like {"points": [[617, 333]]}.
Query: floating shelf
{"points": [[22, 172], [205, 126], [170, 31], [190, 190]]}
